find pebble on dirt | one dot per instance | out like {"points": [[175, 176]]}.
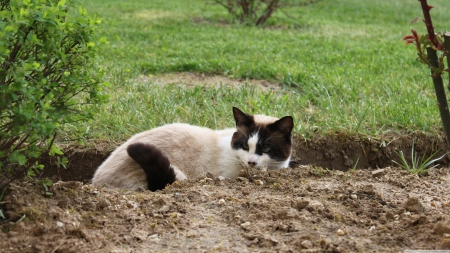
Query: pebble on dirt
{"points": [[413, 205], [378, 173]]}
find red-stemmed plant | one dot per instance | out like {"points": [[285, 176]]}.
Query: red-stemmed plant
{"points": [[432, 49]]}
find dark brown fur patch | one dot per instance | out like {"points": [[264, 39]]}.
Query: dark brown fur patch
{"points": [[276, 135], [155, 164]]}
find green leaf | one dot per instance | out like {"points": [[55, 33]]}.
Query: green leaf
{"points": [[21, 159], [61, 3]]}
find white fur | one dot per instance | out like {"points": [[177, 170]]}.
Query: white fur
{"points": [[192, 151]]}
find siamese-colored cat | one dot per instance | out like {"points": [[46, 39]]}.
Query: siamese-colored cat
{"points": [[174, 152]]}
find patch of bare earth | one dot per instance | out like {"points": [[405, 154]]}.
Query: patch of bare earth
{"points": [[291, 210], [191, 79]]}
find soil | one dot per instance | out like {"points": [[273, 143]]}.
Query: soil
{"points": [[309, 208]]}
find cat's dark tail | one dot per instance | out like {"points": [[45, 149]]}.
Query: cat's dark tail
{"points": [[155, 164]]}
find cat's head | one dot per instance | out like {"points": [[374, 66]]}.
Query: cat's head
{"points": [[262, 140]]}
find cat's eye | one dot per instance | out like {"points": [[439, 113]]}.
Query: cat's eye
{"points": [[244, 146], [265, 149]]}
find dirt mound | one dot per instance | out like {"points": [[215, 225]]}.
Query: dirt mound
{"points": [[292, 210]]}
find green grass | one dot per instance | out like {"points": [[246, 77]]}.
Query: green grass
{"points": [[343, 63], [419, 165]]}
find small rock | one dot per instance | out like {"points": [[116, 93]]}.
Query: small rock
{"points": [[59, 224], [64, 203], [164, 209], [286, 213], [368, 189], [341, 232], [378, 173], [89, 205], [306, 244], [300, 203], [339, 173], [246, 225], [221, 178], [413, 205], [445, 243], [420, 220], [191, 234], [154, 238], [221, 202], [382, 220], [273, 240], [434, 204], [442, 227], [131, 204], [353, 196], [341, 197], [103, 203], [209, 175], [406, 214], [389, 215], [259, 182], [243, 179], [315, 205], [39, 230], [208, 180]]}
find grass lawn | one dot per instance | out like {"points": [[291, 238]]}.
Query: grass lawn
{"points": [[343, 66]]}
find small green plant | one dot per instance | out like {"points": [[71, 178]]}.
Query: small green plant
{"points": [[319, 170], [352, 170], [419, 165], [46, 183], [8, 228]]}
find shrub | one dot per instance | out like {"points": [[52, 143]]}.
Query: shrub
{"points": [[47, 79], [256, 12]]}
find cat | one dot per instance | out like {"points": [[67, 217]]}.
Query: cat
{"points": [[152, 159]]}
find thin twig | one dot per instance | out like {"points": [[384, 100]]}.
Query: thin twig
{"points": [[426, 14]]}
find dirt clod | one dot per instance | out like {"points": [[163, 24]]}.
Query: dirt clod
{"points": [[378, 173], [413, 205], [442, 227]]}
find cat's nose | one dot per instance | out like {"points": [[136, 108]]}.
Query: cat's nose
{"points": [[252, 164]]}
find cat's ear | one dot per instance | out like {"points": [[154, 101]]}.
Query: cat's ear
{"points": [[283, 125], [242, 119]]}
